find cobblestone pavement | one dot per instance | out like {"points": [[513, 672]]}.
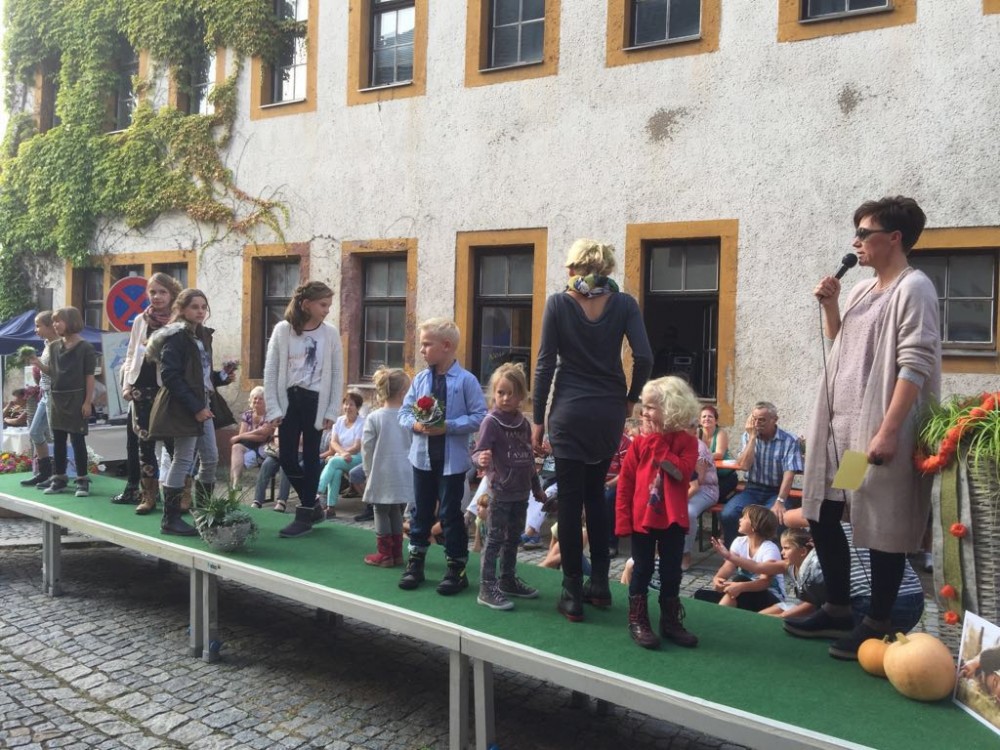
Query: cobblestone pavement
{"points": [[105, 666]]}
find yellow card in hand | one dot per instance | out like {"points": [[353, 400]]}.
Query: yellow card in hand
{"points": [[851, 473]]}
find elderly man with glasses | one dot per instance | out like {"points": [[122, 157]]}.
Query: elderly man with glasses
{"points": [[770, 457]]}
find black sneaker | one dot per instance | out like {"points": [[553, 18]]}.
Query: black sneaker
{"points": [[454, 579], [846, 648], [820, 624], [517, 588], [55, 485]]}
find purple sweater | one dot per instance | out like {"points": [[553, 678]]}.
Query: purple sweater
{"points": [[512, 472]]}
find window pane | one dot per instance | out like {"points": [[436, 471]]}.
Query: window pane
{"points": [[650, 24], [493, 275], [970, 276], [377, 324], [532, 9], [385, 29], [506, 11], [394, 355], [405, 24], [824, 7], [385, 67], [865, 4], [935, 268], [532, 36], [520, 274], [397, 278], [505, 46], [667, 266], [404, 63], [396, 327], [702, 269], [95, 285], [685, 18], [970, 322], [377, 279]]}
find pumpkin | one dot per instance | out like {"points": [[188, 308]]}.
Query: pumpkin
{"points": [[920, 667], [871, 656]]}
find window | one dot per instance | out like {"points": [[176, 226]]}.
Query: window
{"points": [[517, 30], [286, 85], [640, 31], [93, 297], [178, 271], [270, 275], [203, 78], [393, 24], [502, 327], [809, 19], [124, 99], [46, 93], [387, 50], [511, 40], [813, 9], [280, 280], [966, 285], [659, 21], [683, 285], [384, 314], [684, 277]]}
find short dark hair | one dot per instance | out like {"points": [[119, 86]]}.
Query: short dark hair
{"points": [[356, 397], [762, 520], [70, 316], [897, 214]]}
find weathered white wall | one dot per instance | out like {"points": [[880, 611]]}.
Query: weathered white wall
{"points": [[786, 138]]}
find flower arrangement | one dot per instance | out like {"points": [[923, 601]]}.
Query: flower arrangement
{"points": [[21, 357], [972, 422], [11, 463], [95, 462], [427, 410], [223, 521]]}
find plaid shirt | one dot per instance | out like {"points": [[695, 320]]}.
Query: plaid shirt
{"points": [[772, 458]]}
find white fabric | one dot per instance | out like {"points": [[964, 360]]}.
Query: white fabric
{"points": [[276, 374], [767, 552], [385, 447], [305, 358], [348, 435], [134, 354]]}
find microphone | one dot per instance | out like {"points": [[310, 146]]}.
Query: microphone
{"points": [[848, 262]]}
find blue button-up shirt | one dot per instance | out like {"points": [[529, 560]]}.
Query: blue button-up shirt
{"points": [[465, 409], [772, 458]]}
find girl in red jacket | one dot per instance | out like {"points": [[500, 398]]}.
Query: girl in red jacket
{"points": [[651, 506]]}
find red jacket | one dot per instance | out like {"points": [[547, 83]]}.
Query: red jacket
{"points": [[641, 472]]}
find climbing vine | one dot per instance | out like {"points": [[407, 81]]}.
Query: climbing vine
{"points": [[58, 186]]}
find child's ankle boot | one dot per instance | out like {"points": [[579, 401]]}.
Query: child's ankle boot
{"points": [[413, 576]]}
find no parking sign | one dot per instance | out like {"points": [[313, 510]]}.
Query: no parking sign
{"points": [[126, 299]]}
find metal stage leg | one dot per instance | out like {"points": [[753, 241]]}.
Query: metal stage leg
{"points": [[458, 698], [210, 617], [51, 559], [482, 680], [195, 635]]}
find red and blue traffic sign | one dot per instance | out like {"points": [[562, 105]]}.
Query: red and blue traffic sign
{"points": [[126, 299]]}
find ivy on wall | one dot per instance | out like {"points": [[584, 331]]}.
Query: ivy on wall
{"points": [[57, 186]]}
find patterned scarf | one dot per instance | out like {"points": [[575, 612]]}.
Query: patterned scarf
{"points": [[155, 320], [592, 285]]}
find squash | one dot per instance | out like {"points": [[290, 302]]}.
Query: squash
{"points": [[871, 656], [920, 667]]}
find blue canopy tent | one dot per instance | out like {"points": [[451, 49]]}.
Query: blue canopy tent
{"points": [[20, 330]]}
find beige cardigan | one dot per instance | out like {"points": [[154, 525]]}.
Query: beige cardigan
{"points": [[889, 511]]}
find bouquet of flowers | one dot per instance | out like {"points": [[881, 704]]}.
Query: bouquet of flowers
{"points": [[21, 357], [11, 463], [427, 410], [95, 462]]}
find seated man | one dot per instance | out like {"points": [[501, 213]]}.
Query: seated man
{"points": [[770, 457]]}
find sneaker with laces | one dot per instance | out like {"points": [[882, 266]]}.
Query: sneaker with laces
{"points": [[529, 541], [846, 648], [491, 596], [82, 488], [517, 588], [56, 485], [820, 624]]}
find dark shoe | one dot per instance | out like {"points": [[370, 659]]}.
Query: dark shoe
{"points": [[454, 579], [319, 514], [350, 492], [82, 487], [672, 622], [44, 472], [55, 484], [413, 576], [301, 526], [172, 524], [367, 515], [596, 592], [491, 596], [150, 493], [128, 496], [517, 588], [820, 624], [638, 622], [571, 599], [846, 648], [671, 470]]}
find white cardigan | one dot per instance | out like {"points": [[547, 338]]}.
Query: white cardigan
{"points": [[132, 365], [276, 374]]}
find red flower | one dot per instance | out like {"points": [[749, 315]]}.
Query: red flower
{"points": [[955, 433], [958, 530], [425, 402], [948, 446], [977, 413], [948, 591], [989, 403], [931, 465], [951, 618]]}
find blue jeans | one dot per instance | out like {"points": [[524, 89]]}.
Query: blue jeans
{"points": [[905, 613], [268, 469], [185, 448], [426, 489], [39, 431], [754, 494]]}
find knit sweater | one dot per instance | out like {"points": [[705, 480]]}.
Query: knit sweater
{"points": [[276, 374]]}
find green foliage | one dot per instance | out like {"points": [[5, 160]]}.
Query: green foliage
{"points": [[221, 509], [57, 187], [972, 422]]}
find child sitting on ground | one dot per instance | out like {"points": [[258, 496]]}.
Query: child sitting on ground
{"points": [[736, 587]]}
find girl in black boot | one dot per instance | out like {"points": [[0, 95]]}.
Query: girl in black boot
{"points": [[187, 407], [651, 505]]}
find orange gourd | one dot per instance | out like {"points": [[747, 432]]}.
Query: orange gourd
{"points": [[871, 656], [920, 667]]}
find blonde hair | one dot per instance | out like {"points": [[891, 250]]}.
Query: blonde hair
{"points": [[677, 401], [513, 372], [389, 383], [257, 390], [799, 538], [168, 282], [443, 329], [590, 256]]}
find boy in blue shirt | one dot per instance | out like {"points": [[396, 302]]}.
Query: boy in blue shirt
{"points": [[443, 407]]}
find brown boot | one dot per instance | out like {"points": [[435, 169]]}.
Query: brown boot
{"points": [[638, 622], [396, 541], [383, 557], [149, 489], [672, 622], [186, 496]]}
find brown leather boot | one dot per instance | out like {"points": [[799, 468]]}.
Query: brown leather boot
{"points": [[672, 622], [638, 622], [149, 489]]}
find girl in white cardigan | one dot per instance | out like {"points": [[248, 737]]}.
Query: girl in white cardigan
{"points": [[303, 381]]}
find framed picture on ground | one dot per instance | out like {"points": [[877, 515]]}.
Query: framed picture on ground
{"points": [[977, 690]]}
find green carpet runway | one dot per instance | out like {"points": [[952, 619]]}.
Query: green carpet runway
{"points": [[744, 660]]}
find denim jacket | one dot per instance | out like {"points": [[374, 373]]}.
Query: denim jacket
{"points": [[465, 410]]}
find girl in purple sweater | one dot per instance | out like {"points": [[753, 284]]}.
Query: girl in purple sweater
{"points": [[504, 450]]}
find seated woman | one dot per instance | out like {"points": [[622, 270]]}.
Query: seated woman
{"points": [[268, 469], [344, 452], [255, 432], [703, 493], [15, 413]]}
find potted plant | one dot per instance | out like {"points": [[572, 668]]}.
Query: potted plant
{"points": [[959, 443], [223, 522]]}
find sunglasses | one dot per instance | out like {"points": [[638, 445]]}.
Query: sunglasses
{"points": [[863, 234]]}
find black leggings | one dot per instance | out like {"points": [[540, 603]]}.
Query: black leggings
{"points": [[670, 544], [581, 487], [79, 441]]}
